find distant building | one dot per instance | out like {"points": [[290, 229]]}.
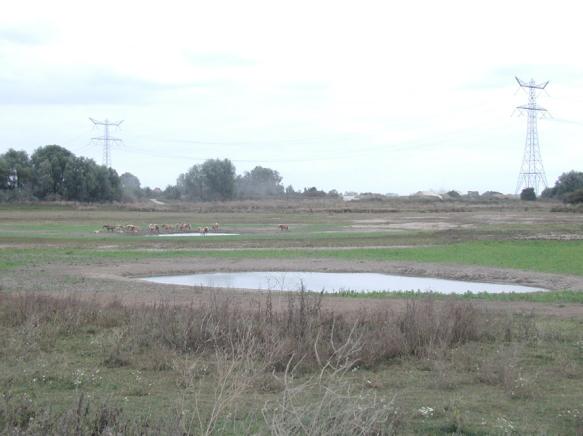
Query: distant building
{"points": [[493, 195], [428, 195]]}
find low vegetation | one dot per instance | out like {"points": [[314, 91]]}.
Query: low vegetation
{"points": [[302, 363], [71, 367]]}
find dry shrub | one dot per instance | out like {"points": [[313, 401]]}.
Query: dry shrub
{"points": [[328, 404], [503, 369], [426, 328], [19, 417], [303, 332], [64, 314]]}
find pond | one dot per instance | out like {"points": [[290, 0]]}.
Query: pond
{"points": [[333, 282], [168, 235]]}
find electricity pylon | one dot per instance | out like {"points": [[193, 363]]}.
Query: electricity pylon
{"points": [[106, 138], [532, 173]]}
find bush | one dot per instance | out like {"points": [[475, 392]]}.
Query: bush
{"points": [[574, 197], [528, 194]]}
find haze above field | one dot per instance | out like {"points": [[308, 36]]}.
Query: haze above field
{"points": [[366, 97]]}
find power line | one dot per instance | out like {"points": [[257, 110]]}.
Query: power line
{"points": [[106, 138], [532, 173]]}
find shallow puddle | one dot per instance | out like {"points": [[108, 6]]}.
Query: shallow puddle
{"points": [[333, 282]]}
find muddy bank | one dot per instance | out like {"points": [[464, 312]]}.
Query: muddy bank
{"points": [[106, 282], [452, 272]]}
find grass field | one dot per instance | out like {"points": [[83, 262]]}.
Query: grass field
{"points": [[73, 361]]}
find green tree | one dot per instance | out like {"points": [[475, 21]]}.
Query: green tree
{"points": [[4, 174], [191, 185], [48, 165], [15, 170], [80, 179], [219, 179], [565, 184], [259, 183], [528, 194], [130, 186], [574, 197]]}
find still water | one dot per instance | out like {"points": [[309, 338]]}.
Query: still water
{"points": [[333, 282], [179, 235]]}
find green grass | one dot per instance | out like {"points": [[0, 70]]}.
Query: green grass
{"points": [[562, 257], [558, 297]]}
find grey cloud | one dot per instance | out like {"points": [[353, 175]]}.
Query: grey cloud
{"points": [[84, 87], [502, 77], [37, 36]]}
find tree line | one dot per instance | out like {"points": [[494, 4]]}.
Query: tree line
{"points": [[54, 173]]}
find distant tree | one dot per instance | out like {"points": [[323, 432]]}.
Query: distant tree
{"points": [[528, 194], [290, 191], [191, 185], [172, 192], [313, 192], [213, 180], [130, 187], [575, 197], [453, 194], [48, 165], [565, 184], [219, 179], [4, 174], [148, 193], [334, 194], [15, 170], [259, 183], [80, 179]]}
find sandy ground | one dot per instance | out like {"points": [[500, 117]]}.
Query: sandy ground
{"points": [[106, 282]]}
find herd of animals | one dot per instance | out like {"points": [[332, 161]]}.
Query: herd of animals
{"points": [[169, 228]]}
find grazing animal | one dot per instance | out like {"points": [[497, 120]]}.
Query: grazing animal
{"points": [[154, 228], [283, 227], [203, 230], [109, 227], [167, 228], [215, 227], [185, 227], [132, 229]]}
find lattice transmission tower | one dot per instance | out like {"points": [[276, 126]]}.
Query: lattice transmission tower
{"points": [[532, 172], [107, 139]]}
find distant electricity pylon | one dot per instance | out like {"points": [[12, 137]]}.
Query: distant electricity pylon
{"points": [[532, 173], [106, 138]]}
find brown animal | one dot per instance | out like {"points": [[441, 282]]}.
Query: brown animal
{"points": [[283, 227], [203, 230], [167, 228], [215, 227], [185, 227], [154, 228], [109, 227], [132, 229]]}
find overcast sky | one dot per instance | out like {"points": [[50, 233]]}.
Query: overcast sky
{"points": [[381, 96]]}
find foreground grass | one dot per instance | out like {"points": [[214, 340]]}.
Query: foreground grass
{"points": [[70, 367]]}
